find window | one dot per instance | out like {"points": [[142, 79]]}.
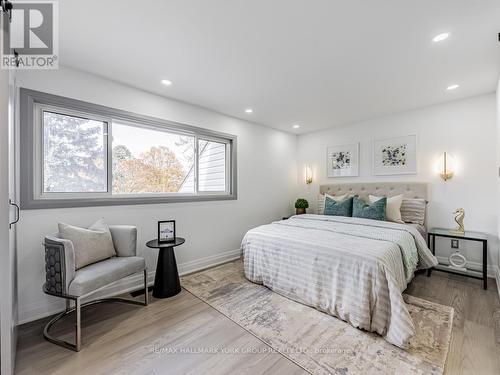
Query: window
{"points": [[74, 154], [211, 165], [151, 161], [81, 154]]}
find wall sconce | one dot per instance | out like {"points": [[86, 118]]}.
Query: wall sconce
{"points": [[446, 166], [309, 176]]}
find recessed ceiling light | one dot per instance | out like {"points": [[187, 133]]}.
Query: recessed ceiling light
{"points": [[296, 126], [441, 37], [166, 82], [249, 110], [452, 87]]}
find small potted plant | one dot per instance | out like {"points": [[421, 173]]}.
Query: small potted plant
{"points": [[300, 205]]}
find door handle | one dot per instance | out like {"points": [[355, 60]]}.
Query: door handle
{"points": [[6, 7], [17, 213]]}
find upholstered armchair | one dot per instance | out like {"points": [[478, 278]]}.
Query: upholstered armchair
{"points": [[63, 280]]}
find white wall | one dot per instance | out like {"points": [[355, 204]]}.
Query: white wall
{"points": [[267, 176], [466, 129]]}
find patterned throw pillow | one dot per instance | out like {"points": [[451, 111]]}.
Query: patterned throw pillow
{"points": [[335, 208], [374, 211], [413, 211], [392, 209], [322, 197]]}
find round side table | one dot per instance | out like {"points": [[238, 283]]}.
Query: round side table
{"points": [[167, 283]]}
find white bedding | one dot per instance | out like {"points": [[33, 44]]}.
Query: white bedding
{"points": [[355, 269], [421, 229]]}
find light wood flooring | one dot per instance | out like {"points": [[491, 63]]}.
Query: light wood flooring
{"points": [[117, 337]]}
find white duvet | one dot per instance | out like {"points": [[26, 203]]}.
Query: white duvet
{"points": [[355, 269]]}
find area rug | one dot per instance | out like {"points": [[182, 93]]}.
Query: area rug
{"points": [[318, 342]]}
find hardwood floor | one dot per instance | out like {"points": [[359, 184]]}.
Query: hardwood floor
{"points": [[125, 339]]}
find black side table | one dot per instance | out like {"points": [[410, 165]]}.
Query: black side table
{"points": [[470, 236], [167, 283]]}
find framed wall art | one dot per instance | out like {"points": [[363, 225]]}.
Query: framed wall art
{"points": [[342, 161], [395, 155]]}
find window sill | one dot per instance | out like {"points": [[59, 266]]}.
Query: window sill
{"points": [[35, 204]]}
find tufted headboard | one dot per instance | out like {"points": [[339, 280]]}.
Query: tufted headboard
{"points": [[388, 189]]}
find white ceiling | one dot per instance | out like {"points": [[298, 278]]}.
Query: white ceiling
{"points": [[318, 63]]}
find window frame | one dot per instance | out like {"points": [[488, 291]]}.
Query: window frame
{"points": [[32, 105]]}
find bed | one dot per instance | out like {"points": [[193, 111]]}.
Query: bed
{"points": [[354, 269]]}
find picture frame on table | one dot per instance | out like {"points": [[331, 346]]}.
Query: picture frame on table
{"points": [[166, 231]]}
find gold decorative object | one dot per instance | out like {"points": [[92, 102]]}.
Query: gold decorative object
{"points": [[459, 219], [446, 167]]}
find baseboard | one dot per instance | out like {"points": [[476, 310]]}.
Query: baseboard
{"points": [[492, 268], [210, 261], [55, 305]]}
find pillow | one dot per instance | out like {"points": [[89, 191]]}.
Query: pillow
{"points": [[91, 245], [393, 208], [374, 211], [413, 211], [335, 208], [322, 198]]}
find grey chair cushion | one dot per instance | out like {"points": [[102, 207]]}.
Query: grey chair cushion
{"points": [[98, 275]]}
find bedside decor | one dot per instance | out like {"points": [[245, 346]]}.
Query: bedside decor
{"points": [[395, 156], [342, 161], [166, 231], [300, 206], [459, 219], [458, 261]]}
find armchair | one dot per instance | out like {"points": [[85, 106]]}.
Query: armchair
{"points": [[63, 280]]}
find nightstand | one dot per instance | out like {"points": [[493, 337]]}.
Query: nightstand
{"points": [[467, 236]]}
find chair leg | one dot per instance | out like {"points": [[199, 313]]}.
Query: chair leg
{"points": [[78, 311], [78, 325], [146, 287], [56, 318]]}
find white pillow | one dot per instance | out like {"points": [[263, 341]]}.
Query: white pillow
{"points": [[322, 198], [393, 208], [91, 245]]}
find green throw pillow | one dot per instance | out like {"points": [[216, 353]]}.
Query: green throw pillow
{"points": [[374, 211], [334, 208]]}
